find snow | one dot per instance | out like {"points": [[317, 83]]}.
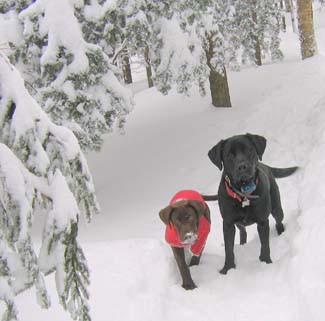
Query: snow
{"points": [[9, 29], [62, 29], [134, 276], [23, 121]]}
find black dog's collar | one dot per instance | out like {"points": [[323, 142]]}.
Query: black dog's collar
{"points": [[241, 197]]}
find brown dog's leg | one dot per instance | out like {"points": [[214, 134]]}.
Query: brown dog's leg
{"points": [[195, 260], [179, 254], [264, 234], [229, 238]]}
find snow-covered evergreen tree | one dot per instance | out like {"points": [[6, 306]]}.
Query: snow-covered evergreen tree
{"points": [[42, 171], [258, 27], [210, 22], [72, 76], [153, 26]]}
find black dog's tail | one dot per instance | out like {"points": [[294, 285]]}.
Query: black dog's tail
{"points": [[283, 172], [210, 197]]}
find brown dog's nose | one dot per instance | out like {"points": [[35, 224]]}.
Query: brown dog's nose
{"points": [[190, 237]]}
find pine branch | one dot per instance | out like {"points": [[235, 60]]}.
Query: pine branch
{"points": [[75, 296], [11, 313]]}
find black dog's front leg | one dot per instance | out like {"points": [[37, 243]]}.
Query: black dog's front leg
{"points": [[264, 234], [179, 254], [229, 239]]}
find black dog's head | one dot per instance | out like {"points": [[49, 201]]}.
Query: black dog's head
{"points": [[239, 156]]}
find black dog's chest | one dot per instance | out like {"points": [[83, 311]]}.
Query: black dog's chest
{"points": [[244, 216], [233, 210]]}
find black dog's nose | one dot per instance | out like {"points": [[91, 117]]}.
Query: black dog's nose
{"points": [[242, 167]]}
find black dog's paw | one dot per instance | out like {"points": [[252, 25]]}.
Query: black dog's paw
{"points": [[265, 259], [195, 260], [279, 228], [226, 268], [189, 285]]}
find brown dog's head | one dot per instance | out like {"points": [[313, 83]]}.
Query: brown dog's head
{"points": [[239, 156], [184, 215]]}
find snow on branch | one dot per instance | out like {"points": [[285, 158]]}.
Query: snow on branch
{"points": [[68, 69], [41, 168]]}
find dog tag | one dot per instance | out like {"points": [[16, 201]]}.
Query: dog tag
{"points": [[245, 202]]}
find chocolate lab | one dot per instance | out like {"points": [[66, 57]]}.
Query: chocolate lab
{"points": [[187, 219], [247, 193]]}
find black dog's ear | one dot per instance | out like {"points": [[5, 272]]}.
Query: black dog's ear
{"points": [[259, 143], [215, 154], [165, 214]]}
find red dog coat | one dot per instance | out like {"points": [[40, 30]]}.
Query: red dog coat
{"points": [[171, 234]]}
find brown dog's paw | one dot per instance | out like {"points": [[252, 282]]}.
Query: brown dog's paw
{"points": [[195, 260], [279, 228], [226, 268], [189, 286]]}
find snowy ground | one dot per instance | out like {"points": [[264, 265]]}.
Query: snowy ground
{"points": [[134, 276]]}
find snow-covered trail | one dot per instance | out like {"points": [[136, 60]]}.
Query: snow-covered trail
{"points": [[167, 152], [134, 276], [165, 148]]}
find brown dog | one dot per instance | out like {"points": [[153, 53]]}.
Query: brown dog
{"points": [[187, 219]]}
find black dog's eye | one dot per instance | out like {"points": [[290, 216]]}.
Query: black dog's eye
{"points": [[230, 156], [252, 153]]}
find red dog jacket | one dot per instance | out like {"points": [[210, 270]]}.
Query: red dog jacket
{"points": [[171, 234]]}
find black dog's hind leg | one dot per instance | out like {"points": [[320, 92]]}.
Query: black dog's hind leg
{"points": [[242, 234], [229, 239], [264, 234], [276, 207], [179, 254]]}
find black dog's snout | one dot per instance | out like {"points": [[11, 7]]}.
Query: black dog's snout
{"points": [[242, 167]]}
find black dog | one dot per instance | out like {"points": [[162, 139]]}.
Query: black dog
{"points": [[247, 193]]}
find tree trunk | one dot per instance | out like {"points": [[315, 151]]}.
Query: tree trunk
{"points": [[126, 69], [284, 25], [306, 28], [290, 8], [148, 67], [218, 81], [258, 54], [219, 88]]}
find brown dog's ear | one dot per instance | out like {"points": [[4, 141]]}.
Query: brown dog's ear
{"points": [[197, 205], [259, 143], [206, 213], [165, 214], [215, 154]]}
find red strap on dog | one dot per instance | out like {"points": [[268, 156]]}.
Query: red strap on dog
{"points": [[172, 238], [231, 193], [187, 194]]}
